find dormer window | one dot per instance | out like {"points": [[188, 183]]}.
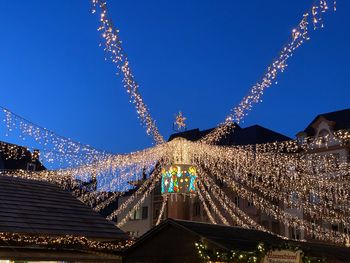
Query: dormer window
{"points": [[323, 134], [31, 167]]}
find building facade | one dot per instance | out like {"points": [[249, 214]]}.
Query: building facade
{"points": [[320, 135]]}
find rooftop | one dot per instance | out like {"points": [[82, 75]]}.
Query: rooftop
{"points": [[36, 207], [255, 134], [341, 120]]}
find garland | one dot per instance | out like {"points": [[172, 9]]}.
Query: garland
{"points": [[298, 36], [113, 47], [63, 242], [211, 255]]}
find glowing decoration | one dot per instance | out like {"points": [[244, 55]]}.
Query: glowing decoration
{"points": [[113, 47], [299, 35], [262, 173], [179, 179], [162, 209], [180, 121], [67, 241], [55, 148]]}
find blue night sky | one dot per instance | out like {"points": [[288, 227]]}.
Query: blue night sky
{"points": [[200, 57]]}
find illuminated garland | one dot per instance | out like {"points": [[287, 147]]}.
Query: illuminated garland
{"points": [[206, 208], [235, 166], [282, 216], [302, 188], [131, 199], [67, 241], [263, 173], [304, 145], [212, 204], [162, 209], [149, 190], [57, 148], [211, 255], [113, 47], [275, 170], [227, 204], [299, 35]]}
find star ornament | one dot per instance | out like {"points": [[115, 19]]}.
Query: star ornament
{"points": [[180, 121]]}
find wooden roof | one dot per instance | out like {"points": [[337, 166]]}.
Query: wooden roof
{"points": [[39, 254], [35, 207], [227, 238]]}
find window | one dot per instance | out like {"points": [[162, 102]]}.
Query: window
{"points": [[250, 203], [294, 197], [313, 198], [156, 210], [295, 233], [31, 167], [133, 233], [335, 227], [136, 215], [144, 212], [196, 209], [237, 201]]}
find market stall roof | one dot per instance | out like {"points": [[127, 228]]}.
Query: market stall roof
{"points": [[37, 207], [181, 235]]}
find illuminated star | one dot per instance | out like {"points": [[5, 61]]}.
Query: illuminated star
{"points": [[180, 121]]}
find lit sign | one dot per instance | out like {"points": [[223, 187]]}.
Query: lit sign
{"points": [[180, 179], [282, 256]]}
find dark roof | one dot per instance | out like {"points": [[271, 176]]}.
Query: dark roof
{"points": [[36, 207], [340, 118], [255, 134], [23, 254], [228, 237], [19, 158]]}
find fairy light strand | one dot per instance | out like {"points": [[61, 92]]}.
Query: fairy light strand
{"points": [[113, 47], [300, 34]]}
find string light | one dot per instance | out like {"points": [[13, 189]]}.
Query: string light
{"points": [[298, 37], [162, 209], [67, 241], [212, 204], [206, 209], [263, 173], [139, 202], [55, 147], [113, 47]]}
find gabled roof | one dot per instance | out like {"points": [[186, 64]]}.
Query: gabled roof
{"points": [[36, 207], [228, 238], [255, 134], [222, 236], [341, 120], [19, 158]]}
